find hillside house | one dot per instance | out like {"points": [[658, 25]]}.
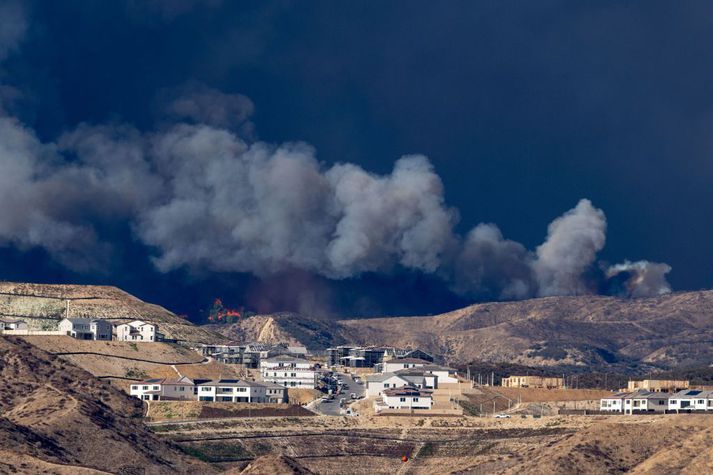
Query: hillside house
{"points": [[13, 325], [407, 397], [169, 389], [136, 331], [691, 400], [445, 375], [86, 328], [397, 364], [532, 382], [289, 371], [659, 385]]}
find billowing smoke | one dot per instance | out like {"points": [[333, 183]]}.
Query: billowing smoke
{"points": [[642, 278], [202, 194], [573, 241]]}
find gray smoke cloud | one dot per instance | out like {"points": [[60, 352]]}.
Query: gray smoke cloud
{"points": [[573, 241], [203, 195], [645, 278]]}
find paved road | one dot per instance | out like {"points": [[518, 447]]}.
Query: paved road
{"points": [[331, 408]]}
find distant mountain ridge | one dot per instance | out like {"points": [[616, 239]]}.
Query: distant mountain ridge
{"points": [[665, 331]]}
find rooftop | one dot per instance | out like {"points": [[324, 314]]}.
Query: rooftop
{"points": [[407, 391], [408, 361]]}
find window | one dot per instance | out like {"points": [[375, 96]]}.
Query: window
{"points": [[145, 388], [415, 399], [205, 389], [155, 388], [403, 399], [181, 388], [134, 388]]}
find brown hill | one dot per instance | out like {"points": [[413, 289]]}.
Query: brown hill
{"points": [[275, 464], [43, 305], [58, 418], [665, 331]]}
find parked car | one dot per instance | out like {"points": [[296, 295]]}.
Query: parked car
{"points": [[353, 395], [326, 399], [502, 416]]}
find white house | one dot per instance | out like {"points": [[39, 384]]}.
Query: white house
{"points": [[645, 401], [396, 364], [13, 325], [86, 328], [407, 397], [613, 403], [289, 371], [377, 383], [445, 375], [419, 378], [691, 400], [149, 390], [136, 331]]}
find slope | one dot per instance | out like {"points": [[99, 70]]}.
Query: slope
{"points": [[57, 414], [43, 305]]}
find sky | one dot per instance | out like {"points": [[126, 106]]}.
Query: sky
{"points": [[357, 158]]}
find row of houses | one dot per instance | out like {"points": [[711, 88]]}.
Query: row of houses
{"points": [[222, 390], [642, 401], [370, 356], [90, 329], [250, 354]]}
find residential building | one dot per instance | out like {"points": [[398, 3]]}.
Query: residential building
{"points": [[289, 371], [392, 353], [445, 375], [136, 331], [532, 382], [613, 403], [86, 328], [223, 390], [402, 363], [642, 400], [659, 385], [419, 377], [13, 325], [691, 400], [377, 383], [335, 355], [407, 397]]}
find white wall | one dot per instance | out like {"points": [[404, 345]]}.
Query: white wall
{"points": [[408, 402]]}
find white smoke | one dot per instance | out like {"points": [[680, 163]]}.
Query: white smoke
{"points": [[645, 278], [573, 241]]}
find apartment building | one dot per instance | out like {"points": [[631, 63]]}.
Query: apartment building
{"points": [[289, 371], [532, 382]]}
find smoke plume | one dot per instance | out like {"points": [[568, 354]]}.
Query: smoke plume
{"points": [[202, 194]]}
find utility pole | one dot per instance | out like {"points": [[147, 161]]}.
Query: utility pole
{"points": [[66, 312]]}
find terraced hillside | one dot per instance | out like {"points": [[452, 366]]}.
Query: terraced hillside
{"points": [[57, 418], [43, 305]]}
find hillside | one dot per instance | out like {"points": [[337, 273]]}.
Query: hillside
{"points": [[58, 418], [43, 305], [665, 331]]}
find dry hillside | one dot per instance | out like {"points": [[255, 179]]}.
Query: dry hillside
{"points": [[58, 418], [43, 305], [665, 331]]}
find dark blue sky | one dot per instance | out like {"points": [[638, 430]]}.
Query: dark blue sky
{"points": [[522, 107]]}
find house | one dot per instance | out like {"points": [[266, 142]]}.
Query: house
{"points": [[419, 378], [613, 403], [641, 401], [13, 325], [289, 371], [532, 382], [445, 375], [86, 328], [691, 400], [659, 385], [231, 390], [136, 331], [402, 363], [275, 393], [407, 397], [377, 383], [164, 389]]}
